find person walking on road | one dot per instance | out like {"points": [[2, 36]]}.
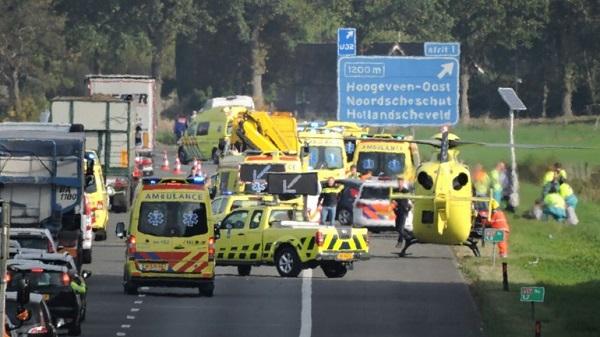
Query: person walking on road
{"points": [[328, 200], [401, 209]]}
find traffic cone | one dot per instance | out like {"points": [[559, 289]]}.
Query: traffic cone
{"points": [[177, 169], [137, 172], [165, 164]]}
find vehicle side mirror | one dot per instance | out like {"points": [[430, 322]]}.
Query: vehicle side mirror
{"points": [[217, 231], [23, 292], [86, 274], [305, 149], [120, 230]]}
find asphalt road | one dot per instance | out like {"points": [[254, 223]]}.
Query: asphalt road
{"points": [[419, 295]]}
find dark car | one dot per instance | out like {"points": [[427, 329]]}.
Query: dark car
{"points": [[53, 282], [39, 323], [346, 200]]}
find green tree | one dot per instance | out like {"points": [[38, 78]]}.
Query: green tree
{"points": [[483, 25], [30, 43]]}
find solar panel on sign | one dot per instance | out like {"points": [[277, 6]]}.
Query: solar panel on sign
{"points": [[509, 96]]}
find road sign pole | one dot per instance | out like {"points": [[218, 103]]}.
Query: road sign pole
{"points": [[494, 254], [533, 311], [514, 197], [4, 219]]}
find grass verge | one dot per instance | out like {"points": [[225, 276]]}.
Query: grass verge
{"points": [[564, 259]]}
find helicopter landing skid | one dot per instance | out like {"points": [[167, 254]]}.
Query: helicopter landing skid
{"points": [[472, 244]]}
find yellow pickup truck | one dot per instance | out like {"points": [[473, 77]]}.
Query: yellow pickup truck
{"points": [[270, 234]]}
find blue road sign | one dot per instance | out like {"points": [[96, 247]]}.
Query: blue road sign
{"points": [[442, 49], [379, 90], [346, 41]]}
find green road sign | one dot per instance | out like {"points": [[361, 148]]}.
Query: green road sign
{"points": [[532, 294], [493, 235]]}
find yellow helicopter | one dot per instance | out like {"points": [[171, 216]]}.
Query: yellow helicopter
{"points": [[443, 199], [442, 212]]}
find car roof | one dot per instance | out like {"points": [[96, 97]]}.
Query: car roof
{"points": [[24, 265], [44, 255], [33, 297], [30, 231]]}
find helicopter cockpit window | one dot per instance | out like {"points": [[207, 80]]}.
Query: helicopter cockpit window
{"points": [[459, 181], [425, 180]]}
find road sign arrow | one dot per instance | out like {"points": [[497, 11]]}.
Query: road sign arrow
{"points": [[349, 34], [288, 188], [261, 174], [447, 69]]}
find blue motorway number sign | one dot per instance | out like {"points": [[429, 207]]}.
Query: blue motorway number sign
{"points": [[379, 90], [346, 42]]}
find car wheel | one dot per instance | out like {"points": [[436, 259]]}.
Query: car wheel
{"points": [[287, 262], [100, 235], [345, 217], [182, 157], [129, 287], [87, 256], [333, 269], [207, 290], [215, 156], [75, 329], [244, 270]]}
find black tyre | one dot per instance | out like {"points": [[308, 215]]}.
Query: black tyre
{"points": [[75, 329], [287, 262], [100, 235], [182, 157], [344, 216], [207, 290], [215, 156], [244, 270], [86, 257], [333, 269]]}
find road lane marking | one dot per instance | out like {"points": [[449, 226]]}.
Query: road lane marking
{"points": [[306, 309], [138, 302], [125, 326], [142, 295], [135, 309], [121, 334], [130, 317]]}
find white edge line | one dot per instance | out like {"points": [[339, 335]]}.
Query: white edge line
{"points": [[306, 307]]}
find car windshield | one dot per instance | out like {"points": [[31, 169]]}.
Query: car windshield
{"points": [[33, 242], [37, 279], [173, 219], [33, 307], [375, 193], [381, 163], [325, 157]]}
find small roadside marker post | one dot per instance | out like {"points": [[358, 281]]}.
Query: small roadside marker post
{"points": [[533, 295]]}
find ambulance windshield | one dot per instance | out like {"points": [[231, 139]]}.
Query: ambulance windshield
{"points": [[173, 219]]}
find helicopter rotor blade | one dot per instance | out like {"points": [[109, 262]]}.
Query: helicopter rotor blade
{"points": [[528, 146]]}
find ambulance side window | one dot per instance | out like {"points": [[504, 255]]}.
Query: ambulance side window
{"points": [[216, 205], [202, 129], [256, 217]]}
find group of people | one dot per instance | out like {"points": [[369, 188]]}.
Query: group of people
{"points": [[497, 182], [558, 200]]}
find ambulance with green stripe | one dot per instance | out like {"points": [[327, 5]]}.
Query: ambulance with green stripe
{"points": [[271, 234], [170, 239]]}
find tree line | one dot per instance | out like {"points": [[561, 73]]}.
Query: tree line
{"points": [[197, 49]]}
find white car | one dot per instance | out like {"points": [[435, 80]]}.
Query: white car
{"points": [[372, 207], [33, 238]]}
